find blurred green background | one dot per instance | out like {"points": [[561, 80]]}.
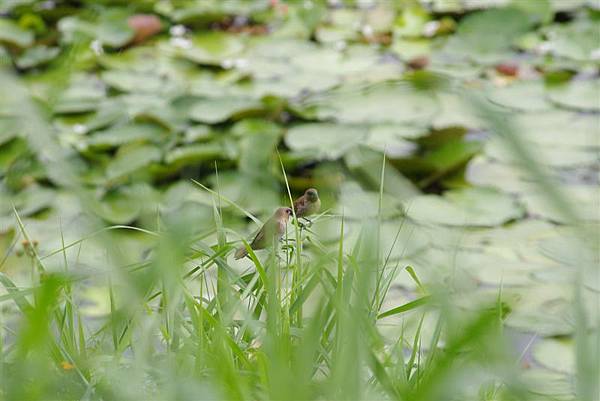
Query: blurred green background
{"points": [[459, 138]]}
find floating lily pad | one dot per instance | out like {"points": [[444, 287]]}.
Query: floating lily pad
{"points": [[560, 128], [547, 155], [544, 311], [367, 164], [466, 207], [211, 11], [29, 201], [198, 133], [391, 145], [387, 102], [135, 81], [571, 250], [402, 239], [525, 96], [128, 160], [556, 355], [259, 140], [215, 110], [584, 201], [120, 206], [412, 49], [356, 203], [119, 135], [556, 386], [450, 156], [399, 239], [248, 192], [327, 141], [484, 172], [95, 302], [578, 95], [495, 270], [10, 151], [9, 129], [213, 48], [487, 36], [109, 113], [193, 154], [455, 112], [37, 56], [110, 28], [13, 34], [84, 94], [185, 191], [321, 60], [576, 40]]}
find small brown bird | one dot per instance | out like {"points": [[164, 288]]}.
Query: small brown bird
{"points": [[307, 204], [269, 233]]}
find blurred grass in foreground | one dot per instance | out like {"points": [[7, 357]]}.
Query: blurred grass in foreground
{"points": [[186, 325]]}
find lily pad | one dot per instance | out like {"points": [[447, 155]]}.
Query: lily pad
{"points": [[13, 34], [109, 112], [367, 164], [212, 48], [556, 386], [547, 155], [504, 177], [120, 206], [584, 201], [119, 135], [84, 94], [185, 191], [110, 28], [193, 154], [466, 207], [576, 41], [29, 201], [560, 128], [523, 96], [248, 192], [135, 81], [326, 140], [455, 112], [9, 129], [402, 239], [215, 110], [578, 95], [358, 204], [544, 309], [10, 152], [259, 140], [198, 133], [556, 355], [130, 159], [487, 36], [37, 56], [387, 102], [496, 270]]}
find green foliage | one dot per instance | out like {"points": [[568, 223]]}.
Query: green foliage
{"points": [[454, 146]]}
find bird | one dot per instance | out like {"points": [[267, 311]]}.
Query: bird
{"points": [[269, 233], [308, 204]]}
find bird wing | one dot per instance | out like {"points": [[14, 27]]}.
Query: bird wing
{"points": [[259, 239], [300, 204], [266, 234]]}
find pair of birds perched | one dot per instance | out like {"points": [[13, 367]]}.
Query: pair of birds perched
{"points": [[274, 228]]}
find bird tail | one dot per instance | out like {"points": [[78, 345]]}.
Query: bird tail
{"points": [[241, 252]]}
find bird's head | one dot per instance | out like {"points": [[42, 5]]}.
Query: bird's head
{"points": [[312, 194], [283, 213]]}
